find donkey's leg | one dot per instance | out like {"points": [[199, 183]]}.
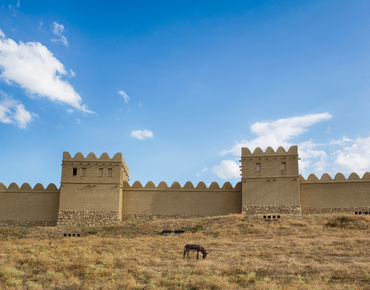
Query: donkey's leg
{"points": [[184, 252], [188, 254], [197, 255]]}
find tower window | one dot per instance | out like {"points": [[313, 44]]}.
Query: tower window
{"points": [[283, 165], [100, 171], [74, 171], [258, 166], [83, 172], [109, 171]]}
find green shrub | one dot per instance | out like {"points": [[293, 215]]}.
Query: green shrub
{"points": [[332, 224], [32, 285], [195, 229]]}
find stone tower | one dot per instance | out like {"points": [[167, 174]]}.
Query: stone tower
{"points": [[270, 181], [91, 189]]}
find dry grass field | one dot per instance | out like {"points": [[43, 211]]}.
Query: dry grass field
{"points": [[296, 252]]}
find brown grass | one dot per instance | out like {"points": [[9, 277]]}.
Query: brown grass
{"points": [[297, 252]]}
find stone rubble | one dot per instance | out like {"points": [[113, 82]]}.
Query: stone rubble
{"points": [[271, 209], [11, 223], [126, 217], [335, 210], [87, 218]]}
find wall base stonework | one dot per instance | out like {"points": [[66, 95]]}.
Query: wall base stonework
{"points": [[271, 209], [335, 210], [127, 217], [68, 218], [11, 223]]}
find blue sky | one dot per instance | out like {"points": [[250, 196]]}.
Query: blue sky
{"points": [[180, 86]]}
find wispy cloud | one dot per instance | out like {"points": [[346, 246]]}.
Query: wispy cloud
{"points": [[2, 35], [139, 134], [58, 29], [32, 66], [279, 133], [18, 3], [124, 95], [227, 169], [353, 158], [72, 73], [14, 112], [40, 25], [344, 155]]}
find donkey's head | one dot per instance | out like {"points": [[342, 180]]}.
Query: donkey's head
{"points": [[204, 253]]}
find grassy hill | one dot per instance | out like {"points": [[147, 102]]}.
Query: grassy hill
{"points": [[296, 252]]}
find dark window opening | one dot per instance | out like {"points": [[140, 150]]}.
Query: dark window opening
{"points": [[283, 165], [258, 166], [74, 171]]}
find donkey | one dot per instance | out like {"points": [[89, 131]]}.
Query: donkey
{"points": [[195, 248]]}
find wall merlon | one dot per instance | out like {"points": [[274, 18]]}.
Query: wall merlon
{"points": [[176, 186], [258, 152], [80, 160], [339, 177], [27, 188]]}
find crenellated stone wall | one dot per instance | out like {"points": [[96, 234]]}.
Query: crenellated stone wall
{"points": [[95, 191], [27, 205], [175, 200]]}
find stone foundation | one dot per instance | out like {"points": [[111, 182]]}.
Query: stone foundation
{"points": [[87, 218], [271, 209], [335, 210], [28, 223], [127, 217]]}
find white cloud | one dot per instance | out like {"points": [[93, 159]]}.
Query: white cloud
{"points": [[58, 29], [227, 169], [13, 112], [40, 25], [124, 95], [340, 142], [32, 66], [18, 3], [138, 134], [204, 169], [355, 158], [345, 155], [312, 158], [277, 133], [72, 73], [2, 35]]}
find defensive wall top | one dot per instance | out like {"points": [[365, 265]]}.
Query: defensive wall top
{"points": [[293, 150], [91, 157], [26, 187], [188, 185], [339, 177]]}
